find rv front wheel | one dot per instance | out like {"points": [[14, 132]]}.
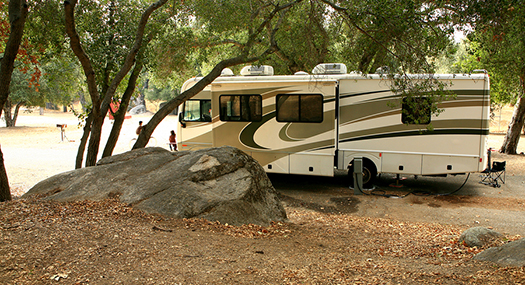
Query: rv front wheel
{"points": [[369, 173]]}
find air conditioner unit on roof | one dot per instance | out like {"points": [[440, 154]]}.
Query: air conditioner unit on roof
{"points": [[330, 68], [257, 70], [227, 72]]}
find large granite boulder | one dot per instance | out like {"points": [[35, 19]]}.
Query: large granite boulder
{"points": [[510, 254], [218, 184], [137, 110]]}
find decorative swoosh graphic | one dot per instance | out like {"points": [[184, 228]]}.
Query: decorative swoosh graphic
{"points": [[248, 133], [283, 134]]}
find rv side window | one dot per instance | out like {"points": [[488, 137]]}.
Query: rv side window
{"points": [[300, 108], [416, 111], [244, 108], [197, 111]]}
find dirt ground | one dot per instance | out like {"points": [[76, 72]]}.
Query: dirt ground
{"points": [[332, 236]]}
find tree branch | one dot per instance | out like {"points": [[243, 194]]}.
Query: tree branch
{"points": [[18, 10], [351, 23], [74, 42], [148, 129], [130, 58]]}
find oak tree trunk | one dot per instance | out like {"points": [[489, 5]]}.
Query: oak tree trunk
{"points": [[120, 115], [18, 10], [7, 114], [11, 116], [83, 142], [512, 138], [94, 139], [5, 192]]}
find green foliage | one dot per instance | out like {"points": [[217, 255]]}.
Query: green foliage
{"points": [[204, 32], [498, 45], [58, 84], [45, 27], [43, 39], [63, 78], [23, 91], [470, 56], [306, 39], [107, 30], [189, 37], [160, 94], [467, 57], [399, 34]]}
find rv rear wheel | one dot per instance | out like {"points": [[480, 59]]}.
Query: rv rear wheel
{"points": [[369, 173]]}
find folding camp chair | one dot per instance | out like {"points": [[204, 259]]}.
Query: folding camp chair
{"points": [[494, 173]]}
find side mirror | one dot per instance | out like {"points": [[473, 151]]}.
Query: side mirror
{"points": [[206, 118], [181, 121]]}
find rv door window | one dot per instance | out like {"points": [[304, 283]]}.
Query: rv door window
{"points": [[300, 108], [416, 110], [197, 111], [245, 108]]}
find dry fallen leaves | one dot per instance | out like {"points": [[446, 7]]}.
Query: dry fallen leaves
{"points": [[109, 242]]}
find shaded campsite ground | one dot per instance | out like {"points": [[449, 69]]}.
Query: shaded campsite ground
{"points": [[333, 236], [35, 150]]}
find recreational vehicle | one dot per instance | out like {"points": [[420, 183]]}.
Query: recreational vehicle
{"points": [[312, 124]]}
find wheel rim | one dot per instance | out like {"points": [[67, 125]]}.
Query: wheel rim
{"points": [[367, 175]]}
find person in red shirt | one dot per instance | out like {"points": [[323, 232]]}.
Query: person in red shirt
{"points": [[173, 141]]}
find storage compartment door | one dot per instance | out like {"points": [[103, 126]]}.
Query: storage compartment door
{"points": [[273, 162], [312, 164], [442, 164], [401, 163]]}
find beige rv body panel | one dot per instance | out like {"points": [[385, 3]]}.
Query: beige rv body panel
{"points": [[370, 127], [298, 148], [361, 118]]}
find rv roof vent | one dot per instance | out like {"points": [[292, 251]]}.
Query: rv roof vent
{"points": [[257, 70], [330, 68], [227, 72], [301, 73], [383, 70], [479, 71]]}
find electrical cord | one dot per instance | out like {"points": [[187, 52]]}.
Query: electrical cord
{"points": [[382, 193]]}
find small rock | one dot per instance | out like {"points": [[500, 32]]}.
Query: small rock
{"points": [[479, 236]]}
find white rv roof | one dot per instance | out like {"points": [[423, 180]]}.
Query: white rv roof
{"points": [[329, 77]]}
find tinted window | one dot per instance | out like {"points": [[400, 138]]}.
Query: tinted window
{"points": [[197, 111], [300, 108], [246, 108]]}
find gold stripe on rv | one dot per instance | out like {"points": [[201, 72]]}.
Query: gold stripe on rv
{"points": [[443, 124]]}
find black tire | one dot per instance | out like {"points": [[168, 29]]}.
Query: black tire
{"points": [[369, 174]]}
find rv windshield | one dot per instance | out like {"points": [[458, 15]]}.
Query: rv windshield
{"points": [[197, 111]]}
